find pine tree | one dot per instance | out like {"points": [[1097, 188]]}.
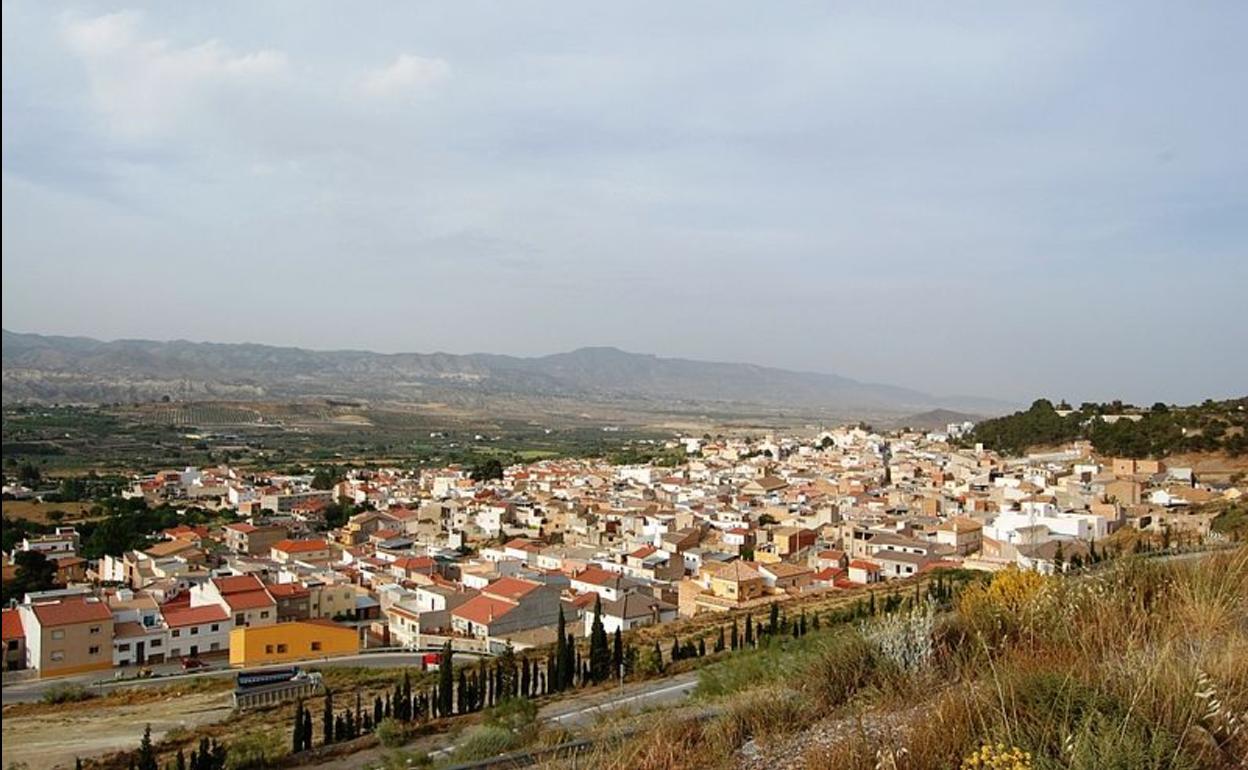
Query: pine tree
{"points": [[296, 741], [327, 717]]}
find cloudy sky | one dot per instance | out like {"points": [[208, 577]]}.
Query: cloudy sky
{"points": [[999, 199]]}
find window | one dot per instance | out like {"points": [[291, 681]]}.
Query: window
{"points": [[95, 630], [57, 655], [123, 647], [178, 632], [281, 648], [240, 619], [154, 643], [194, 630], [216, 626], [58, 634], [93, 649], [214, 647], [264, 614], [268, 649], [316, 646]]}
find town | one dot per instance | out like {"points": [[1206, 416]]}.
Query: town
{"points": [[309, 567]]}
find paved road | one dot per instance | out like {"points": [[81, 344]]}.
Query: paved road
{"points": [[581, 710], [167, 674]]}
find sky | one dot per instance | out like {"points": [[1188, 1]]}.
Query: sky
{"points": [[1006, 200]]}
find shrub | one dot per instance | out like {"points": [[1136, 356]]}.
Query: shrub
{"points": [[998, 757], [483, 742], [904, 639], [253, 751], [391, 733], [67, 693], [514, 714]]}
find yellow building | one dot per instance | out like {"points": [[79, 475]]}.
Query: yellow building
{"points": [[288, 642]]}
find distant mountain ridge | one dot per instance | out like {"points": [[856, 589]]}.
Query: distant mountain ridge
{"points": [[39, 368]]}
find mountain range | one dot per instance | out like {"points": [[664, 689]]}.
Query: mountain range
{"points": [[52, 369]]}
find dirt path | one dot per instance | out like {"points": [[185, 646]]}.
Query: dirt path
{"points": [[53, 740]]}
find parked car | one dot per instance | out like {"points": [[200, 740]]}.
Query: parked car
{"points": [[189, 664]]}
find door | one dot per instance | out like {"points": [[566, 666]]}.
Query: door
{"points": [[194, 650], [138, 653]]}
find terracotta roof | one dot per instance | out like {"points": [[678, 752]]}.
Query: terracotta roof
{"points": [[596, 576], [643, 552], [241, 527], [130, 629], [483, 609], [237, 584], [194, 616], [12, 625], [67, 612], [288, 590], [414, 562], [511, 588], [249, 600], [864, 564], [300, 546], [738, 572]]}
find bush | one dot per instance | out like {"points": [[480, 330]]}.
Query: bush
{"points": [[904, 639], [67, 693], [254, 751], [391, 733], [483, 742], [515, 714]]}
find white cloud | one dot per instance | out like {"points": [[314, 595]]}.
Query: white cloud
{"points": [[406, 74], [143, 86]]}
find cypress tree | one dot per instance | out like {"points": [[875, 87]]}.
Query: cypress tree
{"points": [[327, 717], [617, 653], [599, 648], [296, 741], [773, 621], [307, 729], [379, 711], [446, 679], [719, 641], [561, 652], [569, 665], [658, 656], [525, 682], [814, 621], [179, 762], [461, 694], [147, 752], [701, 648], [749, 630], [734, 640]]}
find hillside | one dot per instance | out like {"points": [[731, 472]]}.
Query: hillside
{"points": [[1134, 664], [1123, 430], [49, 369]]}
